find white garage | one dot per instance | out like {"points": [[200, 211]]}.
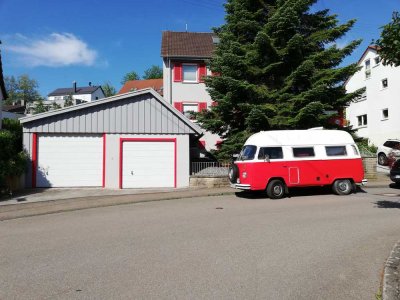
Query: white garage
{"points": [[61, 165], [133, 140]]}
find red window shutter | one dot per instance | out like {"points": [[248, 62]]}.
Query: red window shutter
{"points": [[202, 106], [215, 74], [177, 72], [214, 103], [178, 106], [202, 72]]}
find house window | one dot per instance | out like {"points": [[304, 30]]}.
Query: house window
{"points": [[362, 120], [377, 60], [189, 109], [367, 69], [384, 83], [189, 73], [303, 152], [368, 64], [385, 114]]}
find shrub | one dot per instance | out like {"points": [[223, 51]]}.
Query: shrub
{"points": [[13, 159]]}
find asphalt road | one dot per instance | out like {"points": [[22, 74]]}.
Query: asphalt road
{"points": [[317, 246]]}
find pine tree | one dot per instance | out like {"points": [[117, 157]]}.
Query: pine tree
{"points": [[278, 68]]}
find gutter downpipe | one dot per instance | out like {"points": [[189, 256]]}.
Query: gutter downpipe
{"points": [[170, 80]]}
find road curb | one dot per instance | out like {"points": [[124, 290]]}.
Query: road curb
{"points": [[391, 289], [64, 205]]}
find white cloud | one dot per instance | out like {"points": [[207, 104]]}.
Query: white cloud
{"points": [[55, 50]]}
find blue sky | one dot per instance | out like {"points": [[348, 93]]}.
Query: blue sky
{"points": [[57, 42]]}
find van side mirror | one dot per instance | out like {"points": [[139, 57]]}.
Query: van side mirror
{"points": [[266, 158]]}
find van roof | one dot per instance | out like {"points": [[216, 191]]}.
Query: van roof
{"points": [[300, 138]]}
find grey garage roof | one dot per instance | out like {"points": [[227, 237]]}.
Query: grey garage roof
{"points": [[139, 112]]}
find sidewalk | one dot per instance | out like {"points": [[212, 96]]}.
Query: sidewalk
{"points": [[45, 201]]}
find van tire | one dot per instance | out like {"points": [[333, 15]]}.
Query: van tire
{"points": [[342, 187], [276, 189], [233, 173]]}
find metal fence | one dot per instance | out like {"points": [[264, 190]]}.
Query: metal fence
{"points": [[209, 169]]}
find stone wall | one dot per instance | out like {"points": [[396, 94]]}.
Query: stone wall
{"points": [[209, 181], [369, 164]]}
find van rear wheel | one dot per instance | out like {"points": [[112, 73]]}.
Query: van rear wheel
{"points": [[342, 187], [276, 189]]}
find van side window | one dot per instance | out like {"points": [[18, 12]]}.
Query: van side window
{"points": [[335, 150], [303, 152], [272, 152], [355, 150]]}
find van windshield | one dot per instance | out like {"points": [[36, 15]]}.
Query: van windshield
{"points": [[248, 152]]}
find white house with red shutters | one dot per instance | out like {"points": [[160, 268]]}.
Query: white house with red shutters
{"points": [[184, 67]]}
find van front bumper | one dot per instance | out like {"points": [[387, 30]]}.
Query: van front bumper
{"points": [[241, 186]]}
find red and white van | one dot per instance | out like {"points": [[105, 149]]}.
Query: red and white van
{"points": [[277, 160]]}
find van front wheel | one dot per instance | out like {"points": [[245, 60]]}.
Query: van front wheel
{"points": [[342, 187], [276, 189]]}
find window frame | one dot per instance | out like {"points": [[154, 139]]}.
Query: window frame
{"points": [[188, 113], [196, 67], [362, 120], [384, 85], [385, 117], [298, 155], [333, 154], [261, 150]]}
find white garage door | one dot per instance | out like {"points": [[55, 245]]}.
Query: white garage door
{"points": [[69, 161], [148, 164]]}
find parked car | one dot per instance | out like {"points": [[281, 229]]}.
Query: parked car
{"points": [[389, 148], [395, 172]]}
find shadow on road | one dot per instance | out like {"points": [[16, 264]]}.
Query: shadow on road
{"points": [[293, 192], [394, 186], [387, 204]]}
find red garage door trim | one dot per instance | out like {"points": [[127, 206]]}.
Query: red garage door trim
{"points": [[122, 140], [104, 160], [35, 155], [34, 159]]}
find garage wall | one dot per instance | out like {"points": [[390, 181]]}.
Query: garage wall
{"points": [[113, 152]]}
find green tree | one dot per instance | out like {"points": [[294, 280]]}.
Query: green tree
{"points": [[279, 69], [389, 42], [22, 88], [108, 89], [39, 107], [154, 72], [130, 76], [69, 100]]}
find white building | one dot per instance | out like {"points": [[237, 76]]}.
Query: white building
{"points": [[375, 115], [79, 94], [184, 66]]}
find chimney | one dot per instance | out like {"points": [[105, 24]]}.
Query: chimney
{"points": [[74, 86]]}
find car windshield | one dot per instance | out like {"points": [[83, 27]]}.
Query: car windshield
{"points": [[248, 152]]}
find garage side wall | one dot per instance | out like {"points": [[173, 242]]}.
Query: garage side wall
{"points": [[112, 166]]}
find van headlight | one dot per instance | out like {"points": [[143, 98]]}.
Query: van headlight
{"points": [[244, 174]]}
